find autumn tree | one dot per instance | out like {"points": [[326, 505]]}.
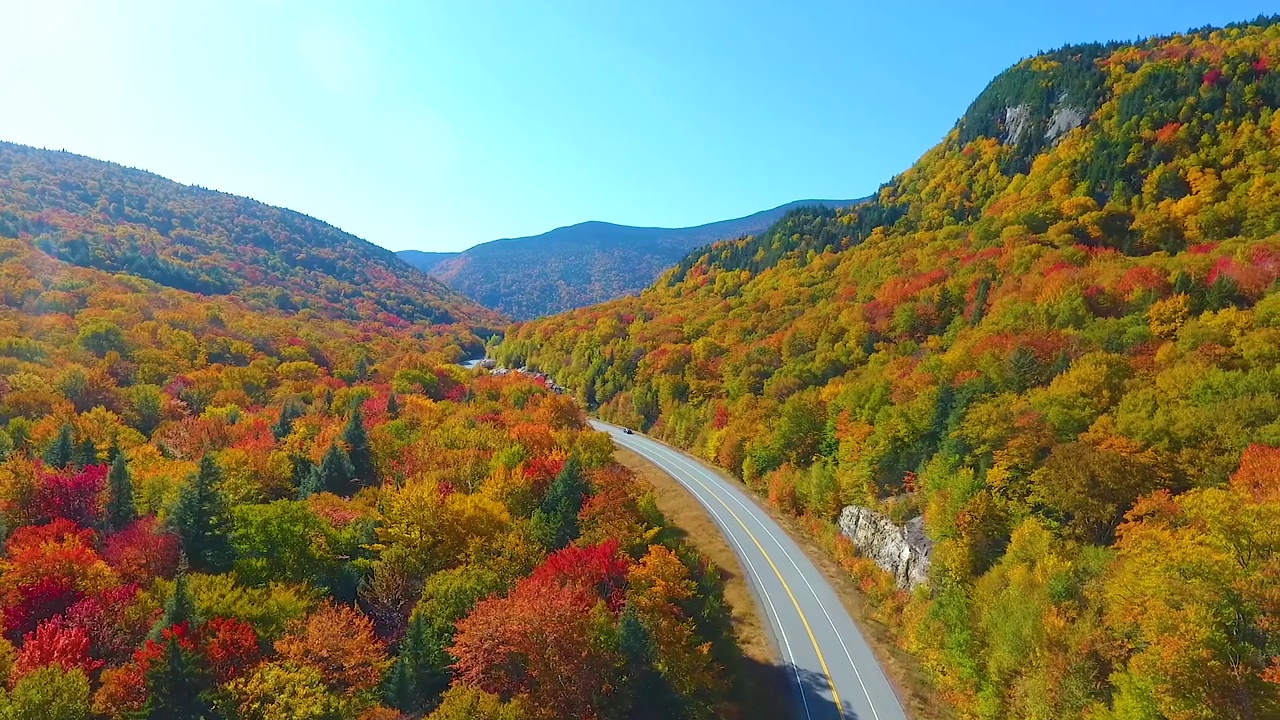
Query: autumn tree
{"points": [[339, 642]]}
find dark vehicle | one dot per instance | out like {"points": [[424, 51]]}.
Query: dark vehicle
{"points": [[628, 431]]}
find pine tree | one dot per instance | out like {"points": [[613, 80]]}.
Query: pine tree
{"points": [[86, 453], [393, 405], [555, 523], [178, 608], [291, 411], [177, 688], [419, 674], [203, 522], [646, 692], [62, 451], [334, 474], [356, 439], [121, 511]]}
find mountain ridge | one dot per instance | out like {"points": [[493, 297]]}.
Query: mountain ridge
{"points": [[536, 275], [107, 216]]}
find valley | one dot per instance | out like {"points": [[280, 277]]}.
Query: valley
{"points": [[1001, 440]]}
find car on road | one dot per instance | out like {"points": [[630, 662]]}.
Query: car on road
{"points": [[628, 431]]}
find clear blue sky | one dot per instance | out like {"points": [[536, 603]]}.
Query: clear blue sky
{"points": [[438, 125]]}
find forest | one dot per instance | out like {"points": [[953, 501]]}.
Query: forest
{"points": [[212, 510], [1056, 337], [104, 216]]}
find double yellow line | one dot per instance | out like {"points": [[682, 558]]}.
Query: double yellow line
{"points": [[835, 695]]}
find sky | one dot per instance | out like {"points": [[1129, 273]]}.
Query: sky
{"points": [[437, 125]]}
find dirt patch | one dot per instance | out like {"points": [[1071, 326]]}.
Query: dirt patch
{"points": [[767, 696], [915, 690]]}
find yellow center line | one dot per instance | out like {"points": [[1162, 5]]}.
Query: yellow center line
{"points": [[835, 695]]}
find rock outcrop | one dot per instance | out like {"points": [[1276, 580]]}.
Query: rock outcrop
{"points": [[902, 550]]}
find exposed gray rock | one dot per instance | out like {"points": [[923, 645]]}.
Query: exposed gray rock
{"points": [[1017, 120], [1065, 119], [902, 550]]}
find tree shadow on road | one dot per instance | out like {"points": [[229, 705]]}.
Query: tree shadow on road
{"points": [[772, 692]]}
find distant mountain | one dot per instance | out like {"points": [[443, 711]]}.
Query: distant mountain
{"points": [[109, 217], [426, 261], [582, 264]]}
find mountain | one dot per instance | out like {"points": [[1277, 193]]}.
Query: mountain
{"points": [[581, 264], [109, 217], [425, 261], [1055, 338]]}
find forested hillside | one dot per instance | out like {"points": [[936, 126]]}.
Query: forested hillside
{"points": [[211, 511], [581, 264], [1057, 337], [104, 216]]}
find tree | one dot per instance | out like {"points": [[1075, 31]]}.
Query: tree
{"points": [[393, 406], [645, 693], [177, 687], [283, 691], [292, 410], [418, 674], [356, 438], [463, 702], [339, 642], [334, 474], [49, 693], [179, 610], [86, 453], [62, 452], [540, 641], [121, 511], [556, 521], [202, 521]]}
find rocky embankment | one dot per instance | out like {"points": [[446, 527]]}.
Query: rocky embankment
{"points": [[902, 550]]}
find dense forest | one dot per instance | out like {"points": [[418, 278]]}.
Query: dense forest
{"points": [[101, 215], [209, 509], [1057, 338]]}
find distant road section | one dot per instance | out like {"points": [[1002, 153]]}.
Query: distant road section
{"points": [[833, 670]]}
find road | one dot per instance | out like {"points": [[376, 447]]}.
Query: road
{"points": [[832, 668]]}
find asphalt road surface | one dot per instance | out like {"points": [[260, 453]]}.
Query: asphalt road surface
{"points": [[833, 671]]}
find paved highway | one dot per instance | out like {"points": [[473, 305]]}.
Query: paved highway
{"points": [[834, 672]]}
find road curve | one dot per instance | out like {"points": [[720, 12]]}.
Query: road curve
{"points": [[833, 670]]}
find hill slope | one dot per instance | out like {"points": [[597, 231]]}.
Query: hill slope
{"points": [[1056, 338], [105, 216], [581, 264]]}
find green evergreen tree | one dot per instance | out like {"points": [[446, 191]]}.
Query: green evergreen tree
{"points": [[203, 522], [334, 474], [356, 439], [291, 411], [86, 453], [420, 673], [1026, 369], [646, 693], [393, 405], [62, 452], [555, 523], [179, 608], [121, 511], [177, 688]]}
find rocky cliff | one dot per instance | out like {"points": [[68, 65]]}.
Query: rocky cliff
{"points": [[902, 550]]}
